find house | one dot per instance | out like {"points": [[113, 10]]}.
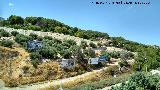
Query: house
{"points": [[33, 45], [97, 60], [93, 60], [67, 63]]}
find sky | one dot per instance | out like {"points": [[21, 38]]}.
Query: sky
{"points": [[140, 23]]}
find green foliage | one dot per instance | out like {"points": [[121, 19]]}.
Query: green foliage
{"points": [[114, 54], [70, 42], [32, 27], [14, 33], [35, 55], [48, 37], [48, 52], [33, 36], [83, 44], [91, 44], [67, 54], [140, 81], [39, 38], [35, 63], [91, 53], [123, 63], [4, 33], [21, 39], [125, 86], [7, 43], [15, 20], [44, 24]]}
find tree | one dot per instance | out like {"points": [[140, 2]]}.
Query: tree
{"points": [[83, 44], [79, 56], [15, 20], [91, 53]]}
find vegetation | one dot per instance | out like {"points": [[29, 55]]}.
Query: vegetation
{"points": [[14, 33], [6, 43], [3, 33], [140, 81], [50, 25]]}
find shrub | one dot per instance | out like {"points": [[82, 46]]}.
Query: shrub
{"points": [[71, 42], [123, 63], [33, 36], [21, 39], [35, 55], [39, 38], [35, 63], [67, 54], [48, 37], [3, 33], [91, 44], [48, 52], [7, 43], [114, 54], [83, 44], [128, 86], [14, 33], [25, 69]]}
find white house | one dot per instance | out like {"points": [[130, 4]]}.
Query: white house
{"points": [[67, 63], [93, 60]]}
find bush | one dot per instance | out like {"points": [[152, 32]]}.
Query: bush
{"points": [[67, 54], [35, 63], [6, 43], [48, 52], [123, 63], [3, 33], [71, 42], [14, 33], [114, 54], [25, 69], [35, 55], [91, 44], [48, 37], [39, 38], [21, 39], [128, 86], [83, 44], [33, 36]]}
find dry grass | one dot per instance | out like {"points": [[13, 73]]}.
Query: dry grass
{"points": [[93, 77]]}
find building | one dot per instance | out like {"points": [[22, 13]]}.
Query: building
{"points": [[97, 60], [93, 60], [67, 63], [33, 45]]}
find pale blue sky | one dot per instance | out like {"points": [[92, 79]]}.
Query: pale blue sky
{"points": [[139, 23]]}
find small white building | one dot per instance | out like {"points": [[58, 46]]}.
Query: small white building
{"points": [[67, 63], [93, 60]]}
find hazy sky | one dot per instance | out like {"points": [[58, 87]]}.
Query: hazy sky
{"points": [[139, 23]]}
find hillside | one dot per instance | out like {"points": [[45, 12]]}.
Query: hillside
{"points": [[58, 42]]}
